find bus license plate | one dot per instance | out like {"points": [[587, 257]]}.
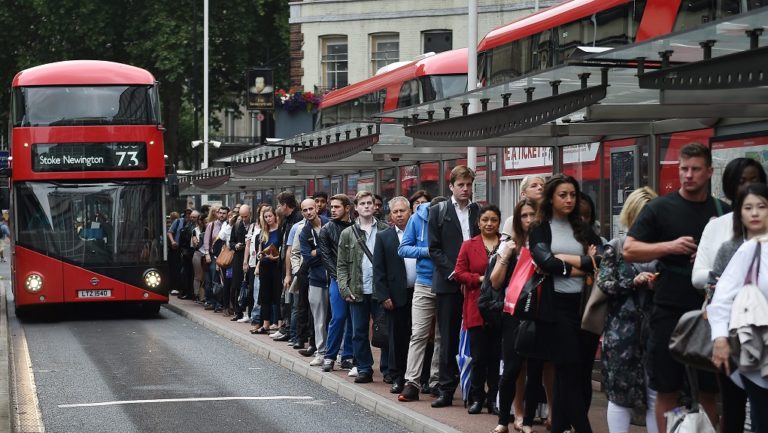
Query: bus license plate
{"points": [[94, 293]]}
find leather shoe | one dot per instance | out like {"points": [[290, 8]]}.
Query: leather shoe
{"points": [[409, 393], [309, 351], [298, 345], [475, 408], [444, 400], [396, 388], [364, 378], [388, 379]]}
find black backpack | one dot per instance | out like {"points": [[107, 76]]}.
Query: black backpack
{"points": [[185, 237]]}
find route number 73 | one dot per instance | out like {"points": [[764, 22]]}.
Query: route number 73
{"points": [[131, 160]]}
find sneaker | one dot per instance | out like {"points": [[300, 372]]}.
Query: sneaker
{"points": [[318, 361], [352, 372], [276, 335], [245, 319], [273, 327], [327, 365], [346, 364], [174, 292], [209, 307]]}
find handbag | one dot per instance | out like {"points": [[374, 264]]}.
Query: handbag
{"points": [[226, 255], [524, 270], [596, 305], [527, 341], [242, 297], [691, 341], [380, 335], [694, 420], [490, 303], [527, 305], [217, 286]]}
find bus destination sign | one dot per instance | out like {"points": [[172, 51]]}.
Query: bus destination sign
{"points": [[89, 156]]}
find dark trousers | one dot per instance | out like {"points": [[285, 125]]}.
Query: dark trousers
{"points": [[174, 269], [449, 322], [513, 363], [734, 401], [249, 278], [485, 347], [399, 338], [187, 274], [758, 402], [304, 323], [237, 279]]}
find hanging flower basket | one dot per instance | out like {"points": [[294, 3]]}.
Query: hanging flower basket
{"points": [[292, 101]]}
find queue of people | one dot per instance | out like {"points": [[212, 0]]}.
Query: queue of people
{"points": [[318, 273]]}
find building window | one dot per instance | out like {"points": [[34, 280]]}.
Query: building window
{"points": [[437, 41], [385, 49], [334, 62]]}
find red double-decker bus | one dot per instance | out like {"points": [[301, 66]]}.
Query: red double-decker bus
{"points": [[436, 76], [87, 186]]}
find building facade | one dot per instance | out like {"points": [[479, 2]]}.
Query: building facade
{"points": [[339, 42]]}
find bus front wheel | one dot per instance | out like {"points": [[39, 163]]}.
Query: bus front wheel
{"points": [[150, 309]]}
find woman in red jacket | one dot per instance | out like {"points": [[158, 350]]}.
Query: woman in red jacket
{"points": [[484, 342]]}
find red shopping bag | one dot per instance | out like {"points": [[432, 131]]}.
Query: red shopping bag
{"points": [[523, 272]]}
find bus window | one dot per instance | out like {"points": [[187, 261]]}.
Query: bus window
{"points": [[754, 4], [694, 13], [372, 103], [84, 105], [345, 113], [443, 86], [410, 94], [502, 62], [617, 26], [356, 109], [542, 57], [575, 34]]}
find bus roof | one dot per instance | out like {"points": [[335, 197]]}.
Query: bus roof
{"points": [[445, 63], [554, 16], [82, 72]]}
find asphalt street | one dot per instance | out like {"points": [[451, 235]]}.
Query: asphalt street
{"points": [[104, 370]]}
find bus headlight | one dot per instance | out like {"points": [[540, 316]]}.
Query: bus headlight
{"points": [[152, 278], [34, 283]]}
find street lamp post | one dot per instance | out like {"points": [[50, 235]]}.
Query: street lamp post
{"points": [[204, 165]]}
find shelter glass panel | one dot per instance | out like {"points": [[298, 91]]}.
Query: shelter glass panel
{"points": [[388, 183], [669, 153], [429, 177], [409, 179]]}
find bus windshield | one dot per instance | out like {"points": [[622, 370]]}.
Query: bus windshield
{"points": [[92, 224], [443, 86], [84, 105]]}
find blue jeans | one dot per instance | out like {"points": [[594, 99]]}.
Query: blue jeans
{"points": [[210, 278], [384, 358], [361, 341], [339, 328], [256, 310]]}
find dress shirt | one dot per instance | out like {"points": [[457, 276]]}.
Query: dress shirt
{"points": [[410, 264], [367, 266], [463, 215]]}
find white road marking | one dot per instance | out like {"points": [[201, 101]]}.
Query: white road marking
{"points": [[181, 400]]}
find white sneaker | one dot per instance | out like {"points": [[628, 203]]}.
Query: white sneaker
{"points": [[352, 372], [277, 335], [318, 361], [174, 292], [244, 319]]}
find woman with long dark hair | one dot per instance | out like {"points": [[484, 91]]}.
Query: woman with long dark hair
{"points": [[523, 216], [270, 279], [470, 268], [565, 249]]}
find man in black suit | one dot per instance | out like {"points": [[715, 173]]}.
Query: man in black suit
{"points": [[393, 281], [450, 223]]}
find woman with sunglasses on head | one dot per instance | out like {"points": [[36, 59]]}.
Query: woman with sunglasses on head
{"points": [[564, 248]]}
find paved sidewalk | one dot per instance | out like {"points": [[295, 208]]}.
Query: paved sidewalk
{"points": [[417, 416]]}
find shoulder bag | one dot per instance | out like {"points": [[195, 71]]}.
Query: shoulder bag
{"points": [[226, 255], [596, 305], [528, 284], [380, 334], [490, 302], [691, 341], [361, 241]]}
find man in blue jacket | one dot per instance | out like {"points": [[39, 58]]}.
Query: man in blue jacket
{"points": [[415, 245], [318, 278]]}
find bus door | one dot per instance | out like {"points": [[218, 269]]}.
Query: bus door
{"points": [[625, 178]]}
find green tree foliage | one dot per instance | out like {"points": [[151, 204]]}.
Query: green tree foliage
{"points": [[162, 37]]}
